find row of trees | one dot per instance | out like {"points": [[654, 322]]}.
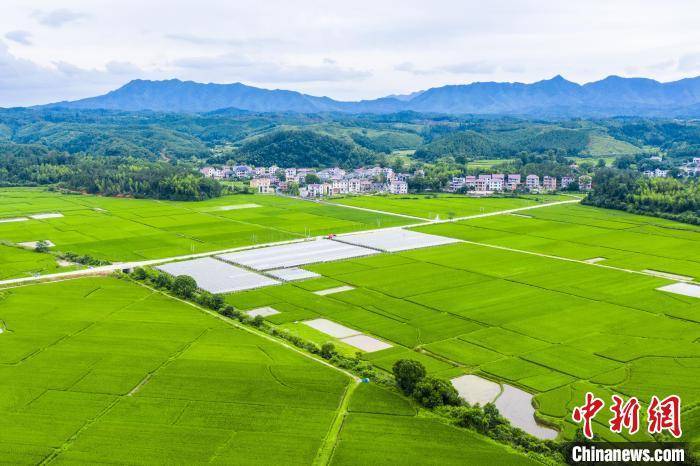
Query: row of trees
{"points": [[437, 394], [409, 376], [627, 190], [109, 176]]}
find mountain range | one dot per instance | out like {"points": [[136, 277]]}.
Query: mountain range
{"points": [[556, 97]]}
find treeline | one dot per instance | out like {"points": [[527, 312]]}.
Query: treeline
{"points": [[660, 197], [108, 176]]}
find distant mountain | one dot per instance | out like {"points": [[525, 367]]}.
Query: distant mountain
{"points": [[612, 96]]}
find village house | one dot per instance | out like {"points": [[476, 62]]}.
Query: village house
{"points": [[262, 185], [566, 181], [398, 187], [549, 183], [532, 182], [585, 183]]}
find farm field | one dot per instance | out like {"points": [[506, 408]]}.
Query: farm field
{"points": [[444, 205], [581, 232], [103, 370], [550, 327], [133, 229]]}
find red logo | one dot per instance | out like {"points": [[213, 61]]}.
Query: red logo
{"points": [[662, 415], [587, 412]]}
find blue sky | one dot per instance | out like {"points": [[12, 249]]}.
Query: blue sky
{"points": [[60, 49]]}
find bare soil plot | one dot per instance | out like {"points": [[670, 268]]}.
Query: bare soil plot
{"points": [[46, 215], [686, 289], [395, 240], [337, 289], [292, 273], [331, 328], [263, 311], [291, 255], [238, 206], [14, 219], [216, 276], [366, 343], [33, 244]]}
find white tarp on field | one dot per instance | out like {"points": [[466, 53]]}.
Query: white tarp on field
{"points": [[686, 289], [294, 254], [216, 276], [47, 215], [292, 273], [365, 343], [337, 289], [331, 328], [395, 240], [263, 311], [13, 219]]}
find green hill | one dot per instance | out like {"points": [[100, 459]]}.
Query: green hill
{"points": [[303, 148]]}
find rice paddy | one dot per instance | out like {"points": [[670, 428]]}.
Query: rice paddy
{"points": [[444, 206], [99, 370], [121, 230], [538, 324]]}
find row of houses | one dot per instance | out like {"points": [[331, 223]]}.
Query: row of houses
{"points": [[514, 181], [692, 168]]}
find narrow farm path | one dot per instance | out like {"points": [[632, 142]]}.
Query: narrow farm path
{"points": [[325, 452]]}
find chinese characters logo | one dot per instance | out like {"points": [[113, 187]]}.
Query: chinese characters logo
{"points": [[662, 415]]}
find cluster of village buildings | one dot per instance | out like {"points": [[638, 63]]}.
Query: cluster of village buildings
{"points": [[500, 182], [336, 181], [692, 168], [332, 181]]}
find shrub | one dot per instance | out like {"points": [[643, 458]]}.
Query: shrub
{"points": [[162, 280], [408, 373], [184, 286], [431, 393], [139, 273], [42, 246], [327, 350]]}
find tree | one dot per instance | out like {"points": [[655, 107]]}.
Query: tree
{"points": [[431, 393], [408, 373], [327, 350], [217, 302], [42, 246], [184, 286], [162, 281], [311, 178], [601, 163], [139, 273]]}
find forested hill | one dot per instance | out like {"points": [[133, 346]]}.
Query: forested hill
{"points": [[320, 140], [303, 148], [612, 96]]}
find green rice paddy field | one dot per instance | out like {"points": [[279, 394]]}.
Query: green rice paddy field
{"points": [[101, 370], [552, 327], [133, 229], [582, 232], [445, 205]]}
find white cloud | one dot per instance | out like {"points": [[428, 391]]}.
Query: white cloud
{"points": [[689, 62], [358, 50], [57, 18], [241, 68], [19, 36]]}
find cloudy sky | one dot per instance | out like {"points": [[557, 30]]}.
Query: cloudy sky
{"points": [[55, 50]]}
